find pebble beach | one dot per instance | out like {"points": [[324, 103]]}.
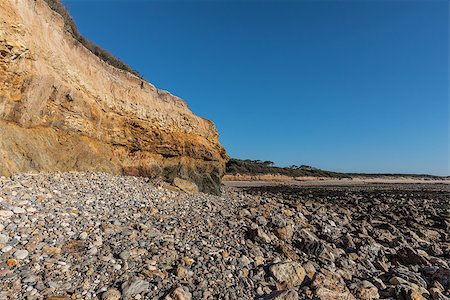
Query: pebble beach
{"points": [[99, 236]]}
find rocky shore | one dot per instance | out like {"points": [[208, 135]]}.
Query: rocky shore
{"points": [[99, 236]]}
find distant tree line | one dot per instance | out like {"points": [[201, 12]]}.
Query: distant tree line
{"points": [[259, 167], [70, 26]]}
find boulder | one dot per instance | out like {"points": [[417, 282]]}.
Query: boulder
{"points": [[185, 185]]}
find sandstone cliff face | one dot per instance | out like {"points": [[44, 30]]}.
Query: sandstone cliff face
{"points": [[62, 109]]}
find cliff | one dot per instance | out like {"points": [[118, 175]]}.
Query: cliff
{"points": [[62, 108]]}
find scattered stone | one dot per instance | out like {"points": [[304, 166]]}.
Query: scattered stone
{"points": [[179, 294], [21, 254], [88, 232], [7, 249], [134, 287], [188, 261], [12, 262], [310, 270], [330, 285], [365, 290], [4, 238], [260, 220], [258, 235], [283, 295], [111, 294], [6, 213], [83, 236], [285, 233], [291, 273], [182, 272], [18, 210], [409, 256], [51, 250]]}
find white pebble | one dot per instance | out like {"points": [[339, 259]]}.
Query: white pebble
{"points": [[18, 210], [6, 213], [6, 249], [21, 254], [4, 238]]}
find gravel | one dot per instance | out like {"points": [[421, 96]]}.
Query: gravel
{"points": [[98, 236]]}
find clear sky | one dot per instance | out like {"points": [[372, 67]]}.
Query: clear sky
{"points": [[359, 86]]}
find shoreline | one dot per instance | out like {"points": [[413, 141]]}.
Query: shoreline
{"points": [[246, 182]]}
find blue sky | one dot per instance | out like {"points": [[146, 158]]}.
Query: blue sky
{"points": [[359, 86]]}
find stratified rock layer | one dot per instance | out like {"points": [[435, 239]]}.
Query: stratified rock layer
{"points": [[62, 108]]}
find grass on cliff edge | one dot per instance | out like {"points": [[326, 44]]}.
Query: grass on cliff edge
{"points": [[70, 26]]}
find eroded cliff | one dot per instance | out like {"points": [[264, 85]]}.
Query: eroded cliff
{"points": [[62, 108]]}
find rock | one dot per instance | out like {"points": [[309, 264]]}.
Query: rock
{"points": [[285, 233], [365, 290], [179, 293], [260, 220], [83, 236], [282, 295], [182, 272], [244, 261], [436, 294], [21, 254], [279, 221], [110, 120], [259, 261], [137, 230], [378, 283], [6, 213], [12, 262], [185, 185], [409, 256], [310, 243], [51, 250], [134, 287], [58, 298], [72, 246], [348, 242], [188, 261], [111, 294], [18, 210], [442, 275], [410, 292], [310, 270], [258, 235], [7, 249], [290, 273], [4, 239], [328, 285]]}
